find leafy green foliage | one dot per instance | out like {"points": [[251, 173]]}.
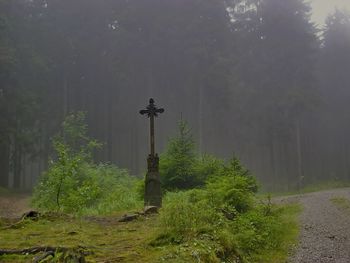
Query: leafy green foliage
{"points": [[181, 166], [75, 137], [73, 183], [257, 231], [195, 222], [234, 188], [185, 214], [118, 190], [223, 220], [208, 166], [232, 193]]}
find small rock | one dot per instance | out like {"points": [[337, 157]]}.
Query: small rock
{"points": [[150, 210], [31, 215], [308, 227], [128, 218]]}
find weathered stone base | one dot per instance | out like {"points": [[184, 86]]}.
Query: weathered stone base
{"points": [[153, 193]]}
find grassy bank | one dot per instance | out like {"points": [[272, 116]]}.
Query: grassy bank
{"points": [[321, 186], [108, 240], [289, 234]]}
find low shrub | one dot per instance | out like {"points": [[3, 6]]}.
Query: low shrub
{"points": [[91, 189], [118, 190], [187, 214], [223, 221], [231, 192], [74, 184]]}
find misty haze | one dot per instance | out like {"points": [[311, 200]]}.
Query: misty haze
{"points": [[175, 130]]}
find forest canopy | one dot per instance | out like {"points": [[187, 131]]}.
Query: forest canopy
{"points": [[254, 78]]}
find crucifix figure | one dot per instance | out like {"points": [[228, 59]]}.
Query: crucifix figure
{"points": [[153, 195]]}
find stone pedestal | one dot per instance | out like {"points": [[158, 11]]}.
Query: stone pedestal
{"points": [[153, 193]]}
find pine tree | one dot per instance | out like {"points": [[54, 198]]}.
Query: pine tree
{"points": [[177, 164]]}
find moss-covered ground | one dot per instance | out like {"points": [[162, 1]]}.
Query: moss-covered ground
{"points": [[107, 239], [111, 241]]}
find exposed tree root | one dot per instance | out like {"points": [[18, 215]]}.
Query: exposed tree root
{"points": [[32, 250], [39, 258], [14, 225], [31, 215], [68, 254]]}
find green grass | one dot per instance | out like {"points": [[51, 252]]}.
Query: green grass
{"points": [[111, 241], [317, 187], [108, 239], [289, 231], [342, 203], [325, 186], [201, 248]]}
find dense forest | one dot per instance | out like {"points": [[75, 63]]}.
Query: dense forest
{"points": [[253, 78]]}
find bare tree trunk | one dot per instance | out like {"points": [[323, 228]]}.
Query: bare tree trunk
{"points": [[17, 165], [4, 164], [65, 95], [200, 120], [299, 156], [272, 163]]}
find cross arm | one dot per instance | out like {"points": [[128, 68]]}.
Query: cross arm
{"points": [[161, 110], [151, 110], [143, 112]]}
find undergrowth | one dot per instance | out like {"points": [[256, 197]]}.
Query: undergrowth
{"points": [[75, 184], [210, 209], [208, 231]]}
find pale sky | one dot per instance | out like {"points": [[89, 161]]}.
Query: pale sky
{"points": [[321, 8]]}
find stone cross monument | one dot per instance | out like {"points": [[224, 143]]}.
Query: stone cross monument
{"points": [[153, 193]]}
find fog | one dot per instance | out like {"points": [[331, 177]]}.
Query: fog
{"points": [[255, 79], [322, 8]]}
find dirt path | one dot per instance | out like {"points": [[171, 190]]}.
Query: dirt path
{"points": [[14, 205], [325, 228]]}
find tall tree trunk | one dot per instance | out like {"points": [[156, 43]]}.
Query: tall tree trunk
{"points": [[299, 155], [200, 120], [17, 165], [4, 164], [65, 96], [272, 163]]}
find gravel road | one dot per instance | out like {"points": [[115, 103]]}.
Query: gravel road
{"points": [[325, 228]]}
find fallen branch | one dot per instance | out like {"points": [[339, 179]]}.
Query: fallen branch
{"points": [[73, 254], [43, 256], [14, 225], [31, 251], [30, 215], [128, 218]]}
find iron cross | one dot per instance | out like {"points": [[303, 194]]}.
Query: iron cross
{"points": [[152, 111]]}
